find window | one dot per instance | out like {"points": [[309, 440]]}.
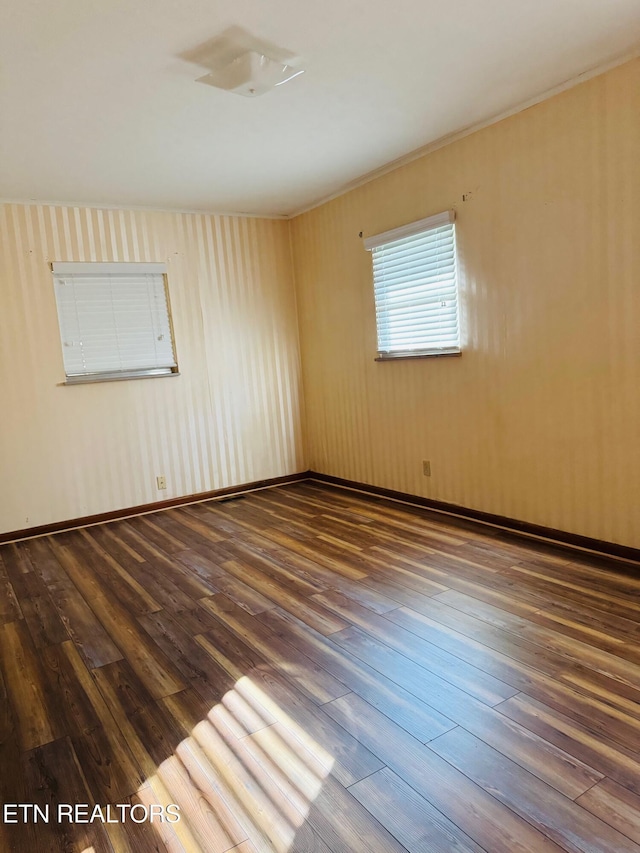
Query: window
{"points": [[415, 287], [114, 321]]}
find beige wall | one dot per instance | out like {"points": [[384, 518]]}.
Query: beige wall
{"points": [[540, 417], [231, 417]]}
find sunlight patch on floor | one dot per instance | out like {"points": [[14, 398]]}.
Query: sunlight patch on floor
{"points": [[246, 771]]}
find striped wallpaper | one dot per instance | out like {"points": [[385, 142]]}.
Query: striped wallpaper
{"points": [[231, 417], [539, 419]]}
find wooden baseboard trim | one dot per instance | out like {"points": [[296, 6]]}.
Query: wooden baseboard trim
{"points": [[216, 494], [513, 526]]}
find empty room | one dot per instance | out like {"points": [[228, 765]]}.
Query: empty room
{"points": [[320, 427]]}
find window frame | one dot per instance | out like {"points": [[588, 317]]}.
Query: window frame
{"points": [[387, 238], [108, 270]]}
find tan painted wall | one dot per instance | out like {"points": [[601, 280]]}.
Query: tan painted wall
{"points": [[231, 417], [540, 417]]}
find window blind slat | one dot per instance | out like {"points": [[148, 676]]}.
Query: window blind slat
{"points": [[413, 277], [422, 318], [421, 335], [428, 333], [428, 264], [440, 260], [414, 247], [392, 265], [411, 244], [416, 341], [417, 295]]}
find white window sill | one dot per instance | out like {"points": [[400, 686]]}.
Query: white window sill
{"points": [[118, 377], [401, 356]]}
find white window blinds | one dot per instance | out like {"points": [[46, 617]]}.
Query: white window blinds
{"points": [[114, 320], [415, 286]]}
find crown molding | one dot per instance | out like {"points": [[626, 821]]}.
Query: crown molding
{"points": [[33, 202], [449, 138]]}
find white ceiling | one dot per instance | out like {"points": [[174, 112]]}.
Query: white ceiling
{"points": [[97, 107]]}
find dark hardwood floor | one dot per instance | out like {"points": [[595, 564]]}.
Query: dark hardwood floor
{"points": [[309, 669]]}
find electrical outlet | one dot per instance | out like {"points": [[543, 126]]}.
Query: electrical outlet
{"points": [[162, 482], [426, 467]]}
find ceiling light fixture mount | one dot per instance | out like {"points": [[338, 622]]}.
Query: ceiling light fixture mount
{"points": [[251, 74]]}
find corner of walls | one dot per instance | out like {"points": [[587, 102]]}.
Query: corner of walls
{"points": [[303, 396]]}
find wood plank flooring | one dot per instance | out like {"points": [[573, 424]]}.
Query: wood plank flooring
{"points": [[309, 669]]}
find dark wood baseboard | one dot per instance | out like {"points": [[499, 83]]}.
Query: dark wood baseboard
{"points": [[507, 525], [512, 525], [216, 494]]}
